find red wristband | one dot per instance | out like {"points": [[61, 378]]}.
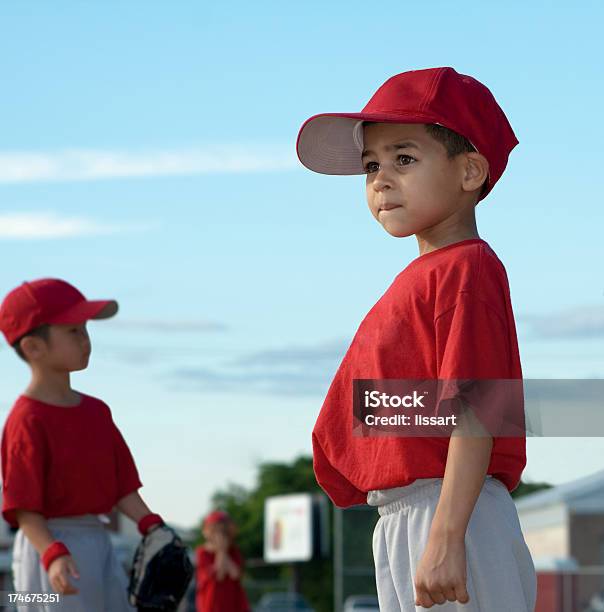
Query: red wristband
{"points": [[52, 552], [148, 521]]}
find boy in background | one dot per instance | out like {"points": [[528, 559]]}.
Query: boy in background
{"points": [[64, 461], [219, 567]]}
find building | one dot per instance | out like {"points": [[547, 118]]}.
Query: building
{"points": [[564, 530]]}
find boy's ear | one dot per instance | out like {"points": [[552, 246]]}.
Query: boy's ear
{"points": [[476, 171], [32, 347]]}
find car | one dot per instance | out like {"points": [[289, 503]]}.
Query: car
{"points": [[596, 603], [283, 602], [361, 603]]}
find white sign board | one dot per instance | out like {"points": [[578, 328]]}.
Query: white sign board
{"points": [[288, 528]]}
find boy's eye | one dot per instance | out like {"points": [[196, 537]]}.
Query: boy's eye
{"points": [[401, 157], [400, 160]]}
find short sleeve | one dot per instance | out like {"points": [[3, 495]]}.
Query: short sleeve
{"points": [[24, 455], [204, 567], [474, 362], [127, 475], [341, 492]]}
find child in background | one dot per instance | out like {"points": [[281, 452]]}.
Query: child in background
{"points": [[64, 461], [219, 567]]}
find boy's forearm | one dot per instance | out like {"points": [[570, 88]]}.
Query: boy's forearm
{"points": [[229, 565], [133, 506], [467, 463], [233, 570], [35, 528]]}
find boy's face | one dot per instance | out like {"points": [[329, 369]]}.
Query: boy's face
{"points": [[67, 349], [411, 184], [216, 531]]}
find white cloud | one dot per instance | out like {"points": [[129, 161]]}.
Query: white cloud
{"points": [[87, 165], [43, 225], [577, 322], [172, 326]]}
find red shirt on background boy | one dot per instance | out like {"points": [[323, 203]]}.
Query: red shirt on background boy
{"points": [[219, 567]]}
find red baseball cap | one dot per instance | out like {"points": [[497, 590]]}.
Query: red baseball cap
{"points": [[216, 517], [48, 301], [332, 143]]}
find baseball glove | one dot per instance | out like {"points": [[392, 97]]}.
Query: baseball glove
{"points": [[161, 571]]}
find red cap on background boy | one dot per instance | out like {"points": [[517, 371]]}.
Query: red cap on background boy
{"points": [[48, 301]]}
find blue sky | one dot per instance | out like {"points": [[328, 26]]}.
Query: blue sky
{"points": [[147, 155]]}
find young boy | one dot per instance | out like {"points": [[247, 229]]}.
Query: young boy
{"points": [[219, 567], [64, 461], [432, 144]]}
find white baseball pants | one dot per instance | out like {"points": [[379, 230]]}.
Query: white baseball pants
{"points": [[103, 582], [500, 572]]}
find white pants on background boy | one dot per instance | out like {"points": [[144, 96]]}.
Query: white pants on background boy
{"points": [[103, 582]]}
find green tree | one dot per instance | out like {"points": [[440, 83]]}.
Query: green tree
{"points": [[525, 488]]}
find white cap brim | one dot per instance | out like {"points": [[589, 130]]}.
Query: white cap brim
{"points": [[332, 144]]}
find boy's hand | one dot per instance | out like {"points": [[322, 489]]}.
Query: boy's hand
{"points": [[232, 569], [224, 566], [441, 574], [221, 541], [220, 565], [58, 574]]}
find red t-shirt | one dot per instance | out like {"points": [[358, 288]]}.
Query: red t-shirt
{"points": [[213, 595], [447, 315], [64, 461]]}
